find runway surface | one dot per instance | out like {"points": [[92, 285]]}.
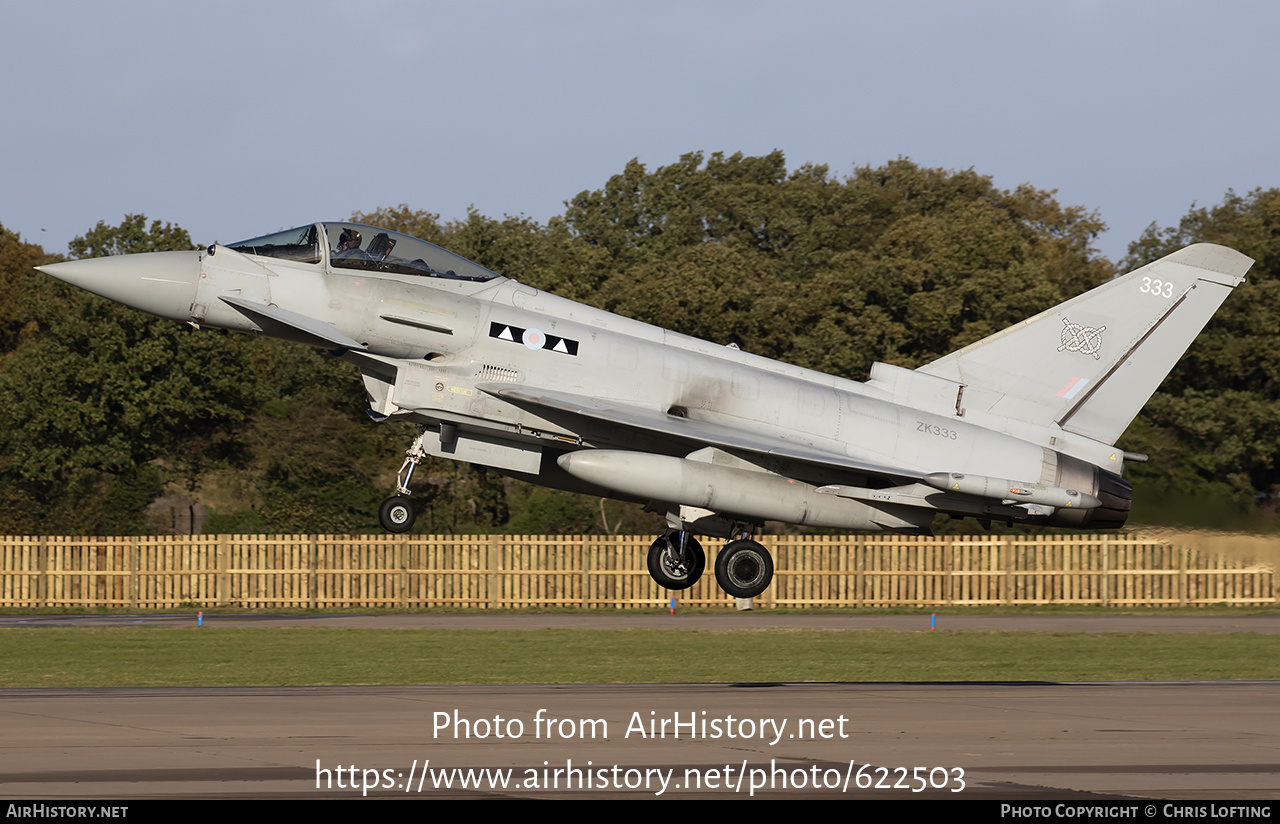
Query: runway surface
{"points": [[1023, 742], [1018, 741]]}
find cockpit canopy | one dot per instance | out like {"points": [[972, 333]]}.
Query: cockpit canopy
{"points": [[356, 246]]}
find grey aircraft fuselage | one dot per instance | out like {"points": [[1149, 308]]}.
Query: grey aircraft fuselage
{"points": [[1020, 426]]}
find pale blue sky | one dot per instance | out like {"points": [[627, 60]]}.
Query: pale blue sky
{"points": [[234, 119]]}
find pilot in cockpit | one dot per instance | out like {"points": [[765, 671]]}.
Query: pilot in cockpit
{"points": [[348, 243]]}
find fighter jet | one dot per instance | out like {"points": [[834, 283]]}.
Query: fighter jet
{"points": [[1019, 427]]}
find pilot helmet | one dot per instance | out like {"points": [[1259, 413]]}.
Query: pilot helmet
{"points": [[349, 239]]}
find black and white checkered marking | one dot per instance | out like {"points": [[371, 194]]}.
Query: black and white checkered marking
{"points": [[533, 338]]}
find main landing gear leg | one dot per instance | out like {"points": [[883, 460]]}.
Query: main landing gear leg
{"points": [[744, 568], [396, 513], [676, 560]]}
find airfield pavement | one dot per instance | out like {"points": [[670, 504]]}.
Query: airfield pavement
{"points": [[1018, 742]]}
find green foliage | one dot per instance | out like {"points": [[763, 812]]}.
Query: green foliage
{"points": [[453, 497], [17, 259], [130, 237], [238, 522], [306, 458], [900, 263], [94, 392], [542, 511], [126, 388]]}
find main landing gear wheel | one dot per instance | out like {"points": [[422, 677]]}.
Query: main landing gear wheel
{"points": [[744, 568], [671, 567], [396, 514]]}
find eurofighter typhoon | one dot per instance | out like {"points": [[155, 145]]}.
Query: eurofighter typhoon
{"points": [[1020, 426]]}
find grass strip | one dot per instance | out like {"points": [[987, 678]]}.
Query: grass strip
{"points": [[163, 656]]}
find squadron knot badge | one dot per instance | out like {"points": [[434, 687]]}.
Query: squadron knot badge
{"points": [[1077, 338]]}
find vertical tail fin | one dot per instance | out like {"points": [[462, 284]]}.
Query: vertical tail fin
{"points": [[1090, 364]]}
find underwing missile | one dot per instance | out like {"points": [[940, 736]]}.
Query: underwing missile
{"points": [[1007, 491]]}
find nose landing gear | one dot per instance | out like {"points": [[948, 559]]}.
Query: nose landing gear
{"points": [[396, 513]]}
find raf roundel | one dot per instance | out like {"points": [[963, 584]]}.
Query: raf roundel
{"points": [[534, 339]]}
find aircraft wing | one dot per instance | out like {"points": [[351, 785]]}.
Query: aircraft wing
{"points": [[700, 433]]}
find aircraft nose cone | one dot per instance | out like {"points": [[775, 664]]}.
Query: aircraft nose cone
{"points": [[162, 283]]}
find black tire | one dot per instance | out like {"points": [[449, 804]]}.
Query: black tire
{"points": [[744, 569], [676, 576], [396, 514]]}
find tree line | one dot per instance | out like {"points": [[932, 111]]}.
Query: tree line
{"points": [[116, 422]]}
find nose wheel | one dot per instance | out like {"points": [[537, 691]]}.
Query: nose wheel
{"points": [[396, 514]]}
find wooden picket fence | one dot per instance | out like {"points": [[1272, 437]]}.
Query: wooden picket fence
{"points": [[609, 572]]}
